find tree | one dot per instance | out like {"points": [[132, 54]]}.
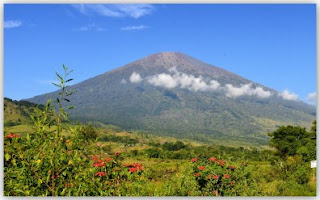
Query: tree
{"points": [[288, 139], [295, 140], [314, 128]]}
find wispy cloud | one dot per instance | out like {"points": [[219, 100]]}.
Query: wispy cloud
{"points": [[287, 95], [115, 10], [132, 28], [12, 24], [90, 27], [312, 98]]}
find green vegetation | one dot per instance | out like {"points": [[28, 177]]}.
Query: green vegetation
{"points": [[56, 157]]}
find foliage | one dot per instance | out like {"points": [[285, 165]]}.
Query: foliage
{"points": [[292, 140], [216, 177], [59, 158], [88, 132], [173, 146]]}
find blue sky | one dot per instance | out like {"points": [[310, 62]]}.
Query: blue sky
{"points": [[274, 45]]}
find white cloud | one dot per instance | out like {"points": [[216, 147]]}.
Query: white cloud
{"points": [[115, 10], [123, 81], [135, 78], [182, 80], [131, 28], [175, 79], [234, 92], [198, 84], [135, 10], [261, 93], [246, 89], [163, 80], [287, 95], [214, 84], [12, 24], [90, 27], [312, 98]]}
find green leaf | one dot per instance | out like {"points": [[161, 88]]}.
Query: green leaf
{"points": [[7, 156], [59, 76], [39, 182], [66, 99], [71, 79], [69, 72], [56, 84]]}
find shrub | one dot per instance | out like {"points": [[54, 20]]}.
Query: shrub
{"points": [[88, 132]]}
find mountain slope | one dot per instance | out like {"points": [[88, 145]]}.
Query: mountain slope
{"points": [[17, 112], [175, 94]]}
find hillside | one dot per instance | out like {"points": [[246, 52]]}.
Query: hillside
{"points": [[17, 112], [177, 95]]}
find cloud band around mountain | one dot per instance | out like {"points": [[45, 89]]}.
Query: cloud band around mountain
{"points": [[287, 95], [246, 89], [312, 98], [175, 79]]}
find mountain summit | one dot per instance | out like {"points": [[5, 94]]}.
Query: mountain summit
{"points": [[174, 94]]}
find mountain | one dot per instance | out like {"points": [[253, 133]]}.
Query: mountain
{"points": [[174, 94]]}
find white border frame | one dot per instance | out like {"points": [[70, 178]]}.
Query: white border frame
{"points": [[2, 2]]}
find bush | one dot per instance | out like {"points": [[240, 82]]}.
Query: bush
{"points": [[88, 132]]}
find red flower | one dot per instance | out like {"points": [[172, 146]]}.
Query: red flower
{"points": [[94, 157], [196, 174], [201, 167], [221, 162], [134, 167], [231, 182], [194, 160], [107, 159], [117, 153], [213, 159], [100, 174], [231, 167], [210, 176], [215, 192], [99, 163], [215, 176], [226, 176], [11, 135]]}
